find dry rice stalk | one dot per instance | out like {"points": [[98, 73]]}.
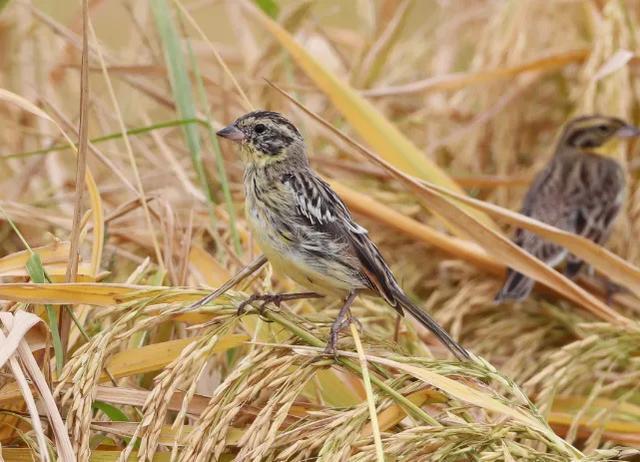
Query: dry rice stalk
{"points": [[604, 363], [182, 371], [303, 441], [260, 436], [244, 383], [337, 445], [85, 368], [499, 442]]}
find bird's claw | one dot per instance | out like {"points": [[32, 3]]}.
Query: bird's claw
{"points": [[242, 307], [330, 350], [276, 299], [263, 308]]}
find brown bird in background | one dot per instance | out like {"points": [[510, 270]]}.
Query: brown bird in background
{"points": [[580, 191]]}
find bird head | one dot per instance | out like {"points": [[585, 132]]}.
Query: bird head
{"points": [[596, 132], [266, 138]]}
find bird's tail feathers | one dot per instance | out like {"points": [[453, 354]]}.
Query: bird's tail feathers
{"points": [[428, 322], [517, 287]]}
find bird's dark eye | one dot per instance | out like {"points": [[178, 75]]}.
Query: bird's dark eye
{"points": [[260, 128], [603, 128]]}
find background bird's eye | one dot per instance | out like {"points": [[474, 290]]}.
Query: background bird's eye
{"points": [[260, 128], [603, 128]]}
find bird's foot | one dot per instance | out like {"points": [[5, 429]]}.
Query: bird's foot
{"points": [[344, 319], [337, 326], [276, 299]]}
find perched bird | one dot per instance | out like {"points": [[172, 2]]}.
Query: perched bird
{"points": [[305, 230], [580, 191]]}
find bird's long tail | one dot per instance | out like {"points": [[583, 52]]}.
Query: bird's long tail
{"points": [[516, 287], [428, 322]]}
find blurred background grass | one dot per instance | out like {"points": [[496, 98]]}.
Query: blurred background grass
{"points": [[478, 88]]}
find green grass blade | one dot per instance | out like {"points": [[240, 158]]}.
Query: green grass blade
{"points": [[268, 6], [109, 137], [36, 272], [38, 275], [222, 173], [181, 87], [114, 414]]}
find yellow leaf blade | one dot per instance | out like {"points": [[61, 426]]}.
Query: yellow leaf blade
{"points": [[158, 355], [55, 252]]}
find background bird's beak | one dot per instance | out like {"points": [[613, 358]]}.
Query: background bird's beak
{"points": [[231, 133], [628, 131]]}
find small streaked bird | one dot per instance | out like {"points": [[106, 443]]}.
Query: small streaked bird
{"points": [[580, 190], [305, 230]]}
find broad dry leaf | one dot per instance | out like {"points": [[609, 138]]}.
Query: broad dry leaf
{"points": [[617, 61], [394, 414], [56, 252], [57, 272], [8, 96], [157, 355], [615, 268], [100, 294], [209, 269]]}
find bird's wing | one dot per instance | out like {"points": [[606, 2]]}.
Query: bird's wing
{"points": [[317, 202], [321, 208]]}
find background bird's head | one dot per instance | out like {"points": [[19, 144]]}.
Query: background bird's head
{"points": [[266, 138], [596, 132]]}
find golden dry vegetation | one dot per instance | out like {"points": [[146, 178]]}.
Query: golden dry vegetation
{"points": [[437, 115]]}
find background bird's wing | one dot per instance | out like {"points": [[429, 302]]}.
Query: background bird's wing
{"points": [[545, 202], [595, 203], [579, 193]]}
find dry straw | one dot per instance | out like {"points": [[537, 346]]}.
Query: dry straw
{"points": [[411, 96]]}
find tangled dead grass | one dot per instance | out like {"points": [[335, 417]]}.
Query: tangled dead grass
{"points": [[465, 95]]}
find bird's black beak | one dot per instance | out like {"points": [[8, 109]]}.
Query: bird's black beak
{"points": [[232, 133], [628, 131]]}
